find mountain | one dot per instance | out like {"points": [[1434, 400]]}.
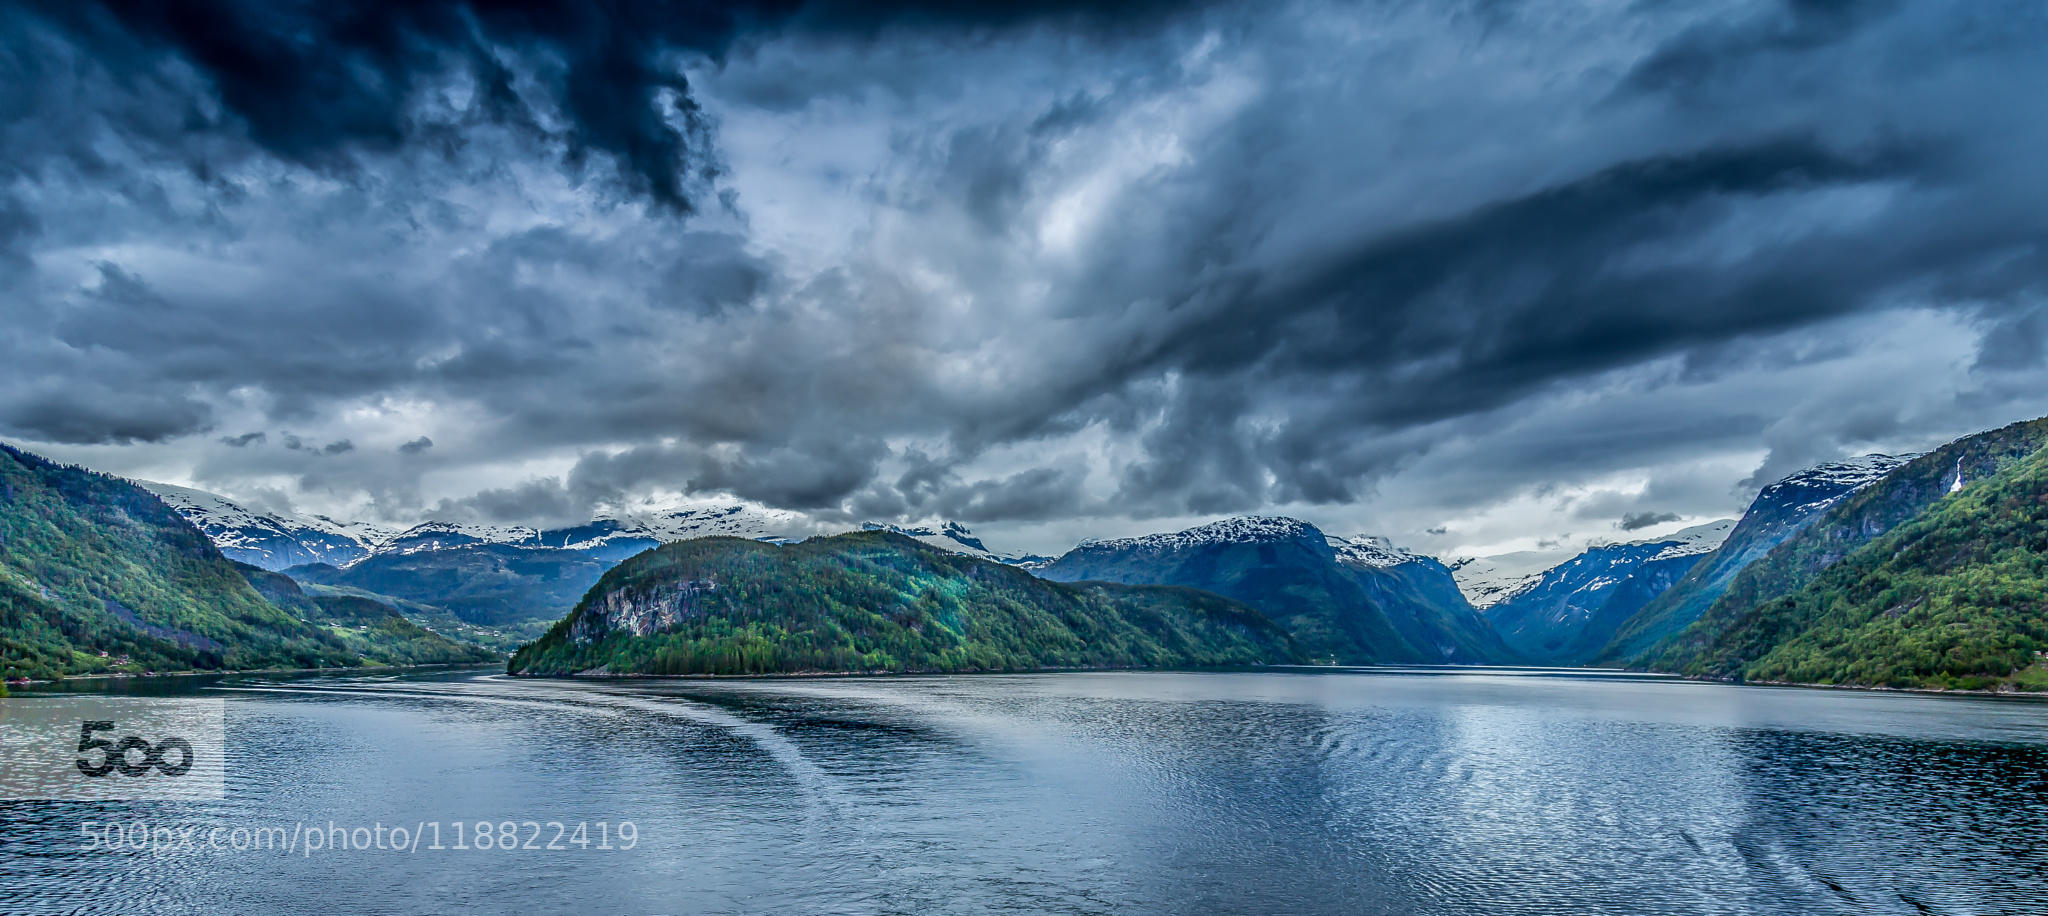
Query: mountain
{"points": [[877, 601], [270, 540], [1487, 581], [1780, 511], [100, 575], [493, 576], [487, 584], [512, 578], [1933, 576], [955, 537], [1566, 614], [378, 631], [280, 541], [1357, 600]]}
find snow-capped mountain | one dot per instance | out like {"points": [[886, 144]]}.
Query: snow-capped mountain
{"points": [[1812, 491], [1693, 541], [1487, 581], [1373, 551], [1567, 613], [278, 541], [957, 538], [270, 540], [445, 535], [1243, 529]]}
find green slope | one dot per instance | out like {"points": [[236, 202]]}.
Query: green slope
{"points": [[1904, 584], [91, 563], [874, 601], [98, 575]]}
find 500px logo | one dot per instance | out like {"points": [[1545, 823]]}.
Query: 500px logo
{"points": [[115, 756], [102, 748]]}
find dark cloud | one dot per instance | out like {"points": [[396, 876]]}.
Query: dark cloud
{"points": [[319, 85], [244, 440], [1635, 521], [90, 413], [337, 447], [1023, 261]]}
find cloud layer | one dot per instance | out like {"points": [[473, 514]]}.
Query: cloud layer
{"points": [[1472, 274]]}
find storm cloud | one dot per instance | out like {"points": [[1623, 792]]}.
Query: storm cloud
{"points": [[1467, 274]]}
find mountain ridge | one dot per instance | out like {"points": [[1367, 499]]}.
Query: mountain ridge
{"points": [[1931, 576], [1567, 613], [1779, 512], [1355, 600]]}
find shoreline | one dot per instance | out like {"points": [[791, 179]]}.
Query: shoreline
{"points": [[1929, 691], [225, 672], [1503, 669], [594, 675]]}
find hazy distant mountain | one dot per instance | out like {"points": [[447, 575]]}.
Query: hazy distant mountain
{"points": [[1777, 513], [481, 583], [1356, 600], [1566, 614], [277, 540]]}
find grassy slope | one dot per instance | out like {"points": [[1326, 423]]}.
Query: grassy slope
{"points": [[1901, 585], [874, 601], [93, 564]]}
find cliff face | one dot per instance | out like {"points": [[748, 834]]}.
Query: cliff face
{"points": [[645, 611]]}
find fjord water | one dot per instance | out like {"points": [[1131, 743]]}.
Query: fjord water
{"points": [[1371, 791]]}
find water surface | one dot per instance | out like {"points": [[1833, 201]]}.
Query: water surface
{"points": [[1379, 791]]}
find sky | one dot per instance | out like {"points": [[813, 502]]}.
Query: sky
{"points": [[1477, 276]]}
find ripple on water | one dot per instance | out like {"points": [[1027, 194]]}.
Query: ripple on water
{"points": [[1300, 793]]}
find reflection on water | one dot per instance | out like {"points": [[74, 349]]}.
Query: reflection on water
{"points": [[1344, 792]]}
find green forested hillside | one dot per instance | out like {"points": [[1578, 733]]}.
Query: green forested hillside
{"points": [[876, 601], [93, 565], [1903, 585], [98, 575]]}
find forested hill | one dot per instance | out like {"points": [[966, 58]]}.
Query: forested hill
{"points": [[876, 601], [1934, 576], [98, 575]]}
